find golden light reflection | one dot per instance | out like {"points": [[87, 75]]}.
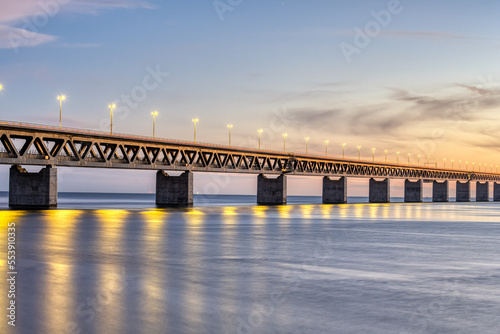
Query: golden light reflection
{"points": [[155, 219], [110, 278], [284, 211], [260, 211], [307, 210], [326, 211], [8, 216], [229, 211], [59, 236]]}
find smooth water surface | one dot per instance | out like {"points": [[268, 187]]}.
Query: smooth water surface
{"points": [[240, 268]]}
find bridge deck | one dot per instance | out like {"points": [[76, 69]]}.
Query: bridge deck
{"points": [[30, 144]]}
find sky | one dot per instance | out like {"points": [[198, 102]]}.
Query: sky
{"points": [[417, 77]]}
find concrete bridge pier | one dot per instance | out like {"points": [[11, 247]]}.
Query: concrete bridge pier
{"points": [[463, 191], [414, 191], [496, 192], [440, 191], [482, 192], [380, 191], [174, 190], [271, 191], [32, 190], [334, 191]]}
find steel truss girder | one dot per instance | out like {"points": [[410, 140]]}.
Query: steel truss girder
{"points": [[74, 149]]}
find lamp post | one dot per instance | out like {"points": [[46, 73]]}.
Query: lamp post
{"points": [[259, 132], [61, 98], [343, 150], [326, 147], [409, 158], [418, 159], [466, 165], [452, 161], [307, 139], [359, 152], [397, 157], [229, 126], [385, 151], [444, 162], [195, 120], [428, 160], [479, 166], [459, 164], [473, 166], [284, 141], [373, 154], [154, 113], [111, 107]]}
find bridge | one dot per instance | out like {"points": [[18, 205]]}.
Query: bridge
{"points": [[50, 147]]}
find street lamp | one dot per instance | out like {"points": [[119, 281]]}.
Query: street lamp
{"points": [[385, 151], [326, 147], [466, 165], [111, 106], [418, 159], [459, 164], [195, 120], [307, 139], [259, 132], [373, 154], [284, 141], [444, 162], [452, 161], [359, 152], [343, 150], [397, 157], [473, 166], [154, 113], [409, 158], [61, 98], [479, 166], [229, 126]]}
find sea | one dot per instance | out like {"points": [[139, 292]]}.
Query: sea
{"points": [[114, 263]]}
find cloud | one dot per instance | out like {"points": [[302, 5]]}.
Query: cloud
{"points": [[21, 21]]}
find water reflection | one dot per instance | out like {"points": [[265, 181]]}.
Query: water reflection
{"points": [[206, 269]]}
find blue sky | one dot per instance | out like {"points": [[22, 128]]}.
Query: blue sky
{"points": [[426, 83]]}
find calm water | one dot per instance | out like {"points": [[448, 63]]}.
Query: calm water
{"points": [[228, 266]]}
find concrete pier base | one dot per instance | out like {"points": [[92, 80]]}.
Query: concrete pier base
{"points": [[334, 191], [32, 190], [440, 191], [482, 192], [463, 191], [414, 191], [496, 192], [380, 191], [174, 190], [271, 191]]}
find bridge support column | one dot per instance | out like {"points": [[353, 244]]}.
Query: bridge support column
{"points": [[482, 192], [463, 191], [32, 190], [334, 191], [440, 191], [380, 191], [271, 191], [496, 192], [413, 191], [174, 190]]}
